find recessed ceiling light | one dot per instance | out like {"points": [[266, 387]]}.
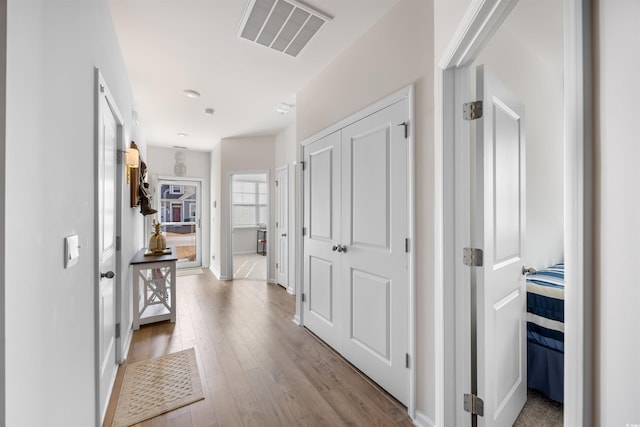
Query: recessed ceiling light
{"points": [[209, 111], [283, 108], [182, 134], [192, 93], [179, 147]]}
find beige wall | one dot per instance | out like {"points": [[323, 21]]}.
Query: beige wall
{"points": [[396, 52]]}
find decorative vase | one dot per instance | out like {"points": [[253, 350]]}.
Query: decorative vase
{"points": [[157, 241]]}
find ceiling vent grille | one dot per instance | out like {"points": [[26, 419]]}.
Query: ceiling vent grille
{"points": [[284, 25]]}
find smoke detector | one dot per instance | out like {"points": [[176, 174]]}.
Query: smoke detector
{"points": [[283, 25]]}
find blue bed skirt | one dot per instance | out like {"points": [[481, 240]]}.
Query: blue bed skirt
{"points": [[545, 371]]}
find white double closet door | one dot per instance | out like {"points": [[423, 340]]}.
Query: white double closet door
{"points": [[356, 265]]}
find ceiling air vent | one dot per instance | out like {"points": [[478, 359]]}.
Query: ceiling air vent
{"points": [[284, 25]]}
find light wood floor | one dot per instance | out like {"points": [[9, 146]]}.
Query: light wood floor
{"points": [[257, 367]]}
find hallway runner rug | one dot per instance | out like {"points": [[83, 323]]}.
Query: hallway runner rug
{"points": [[153, 387]]}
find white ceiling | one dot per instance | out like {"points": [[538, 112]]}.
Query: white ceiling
{"points": [[173, 45]]}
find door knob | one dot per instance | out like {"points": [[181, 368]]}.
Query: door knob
{"points": [[108, 275], [284, 234], [335, 248], [529, 270], [342, 248]]}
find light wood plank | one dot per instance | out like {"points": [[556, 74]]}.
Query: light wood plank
{"points": [[257, 367]]}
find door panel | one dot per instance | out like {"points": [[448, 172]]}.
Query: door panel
{"points": [[370, 322], [374, 229], [321, 201], [321, 172], [370, 170], [321, 302], [499, 229]]}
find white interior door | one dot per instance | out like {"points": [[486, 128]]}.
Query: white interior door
{"points": [[282, 225], [498, 227], [322, 313], [356, 262], [108, 124], [375, 274]]}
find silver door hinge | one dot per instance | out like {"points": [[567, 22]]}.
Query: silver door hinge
{"points": [[472, 257], [406, 245], [304, 231], [406, 360], [406, 129], [276, 265], [276, 183], [118, 243], [302, 164], [473, 404], [472, 110], [117, 330], [302, 297]]}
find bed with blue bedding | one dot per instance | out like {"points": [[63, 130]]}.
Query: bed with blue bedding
{"points": [[545, 331]]}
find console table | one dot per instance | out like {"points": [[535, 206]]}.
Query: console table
{"points": [[154, 288]]}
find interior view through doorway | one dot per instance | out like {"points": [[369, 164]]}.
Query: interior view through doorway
{"points": [[179, 211], [249, 225], [525, 56]]}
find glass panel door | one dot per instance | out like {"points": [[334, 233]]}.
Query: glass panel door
{"points": [[179, 212]]}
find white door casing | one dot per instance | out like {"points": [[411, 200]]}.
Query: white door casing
{"points": [[109, 124], [498, 227], [282, 225], [356, 264]]}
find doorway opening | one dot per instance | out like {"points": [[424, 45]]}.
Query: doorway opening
{"points": [[249, 241], [458, 176], [179, 211]]}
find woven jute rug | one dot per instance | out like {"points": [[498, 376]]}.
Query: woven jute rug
{"points": [[153, 387]]}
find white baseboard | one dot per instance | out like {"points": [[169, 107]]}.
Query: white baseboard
{"points": [[127, 343], [215, 272], [422, 420], [296, 320], [291, 291]]}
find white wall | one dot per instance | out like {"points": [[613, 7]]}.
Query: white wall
{"points": [[161, 162], [526, 54], [3, 111], [234, 157], [394, 53], [286, 146], [216, 194], [245, 240], [617, 212], [53, 47]]}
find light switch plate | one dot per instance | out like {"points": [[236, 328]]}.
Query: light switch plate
{"points": [[71, 251]]}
